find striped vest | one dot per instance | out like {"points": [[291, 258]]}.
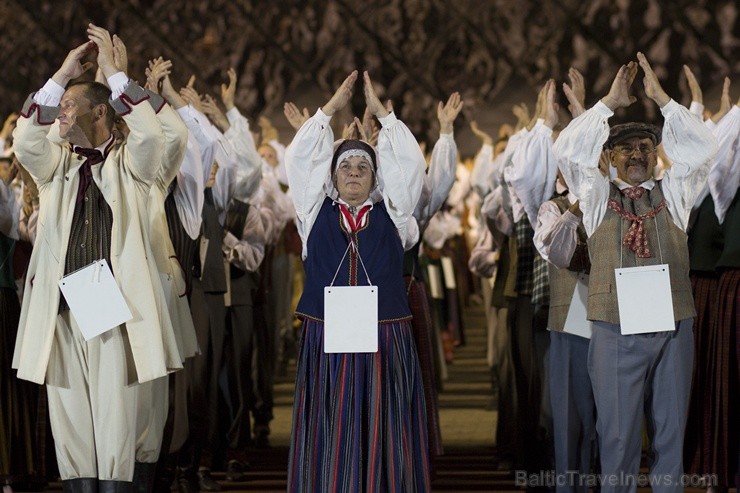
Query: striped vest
{"points": [[605, 247], [563, 281]]}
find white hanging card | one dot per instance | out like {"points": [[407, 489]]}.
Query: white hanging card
{"points": [[435, 282], [576, 322], [645, 301], [351, 319], [94, 299], [449, 273]]}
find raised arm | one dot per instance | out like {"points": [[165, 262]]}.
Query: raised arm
{"points": [[724, 178], [401, 164], [440, 176], [308, 159]]}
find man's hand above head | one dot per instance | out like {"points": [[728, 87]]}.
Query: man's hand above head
{"points": [[73, 65], [619, 94], [653, 89], [575, 93], [106, 58], [724, 102], [228, 92]]}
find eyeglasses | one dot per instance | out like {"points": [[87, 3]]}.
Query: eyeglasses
{"points": [[362, 168], [629, 150]]}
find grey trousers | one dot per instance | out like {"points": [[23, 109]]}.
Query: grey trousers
{"points": [[573, 410], [632, 373], [92, 407]]}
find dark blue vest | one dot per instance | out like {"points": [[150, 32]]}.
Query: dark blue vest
{"points": [[381, 251]]}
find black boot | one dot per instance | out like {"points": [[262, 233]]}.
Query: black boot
{"points": [[80, 485], [144, 477], [113, 486]]}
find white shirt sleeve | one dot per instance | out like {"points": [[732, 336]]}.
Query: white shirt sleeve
{"points": [[401, 166], [479, 177], [188, 192], [438, 179], [724, 178], [204, 133], [577, 149], [241, 140], [308, 164], [555, 234], [533, 169], [691, 147]]}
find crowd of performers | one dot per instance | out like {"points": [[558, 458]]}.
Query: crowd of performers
{"points": [[207, 222]]}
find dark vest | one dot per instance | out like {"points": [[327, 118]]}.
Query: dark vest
{"points": [[242, 283], [563, 281], [730, 258], [381, 251], [605, 245], [90, 233], [212, 273], [185, 247], [705, 238], [7, 246]]}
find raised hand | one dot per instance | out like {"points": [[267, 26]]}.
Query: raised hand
{"points": [[294, 116], [483, 136], [371, 98], [102, 39], [696, 94], [341, 96], [521, 112], [619, 94], [446, 113], [228, 92], [575, 93], [653, 89], [550, 108], [724, 102], [120, 55], [8, 126], [539, 109], [212, 111], [72, 66], [156, 72], [269, 132], [191, 96]]}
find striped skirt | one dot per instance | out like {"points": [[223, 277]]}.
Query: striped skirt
{"points": [[711, 440], [359, 422]]}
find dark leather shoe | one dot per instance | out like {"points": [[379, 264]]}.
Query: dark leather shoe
{"points": [[187, 483], [80, 485], [144, 477], [236, 469], [112, 486], [206, 481]]}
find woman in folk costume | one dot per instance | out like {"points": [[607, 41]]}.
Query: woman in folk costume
{"points": [[359, 422]]}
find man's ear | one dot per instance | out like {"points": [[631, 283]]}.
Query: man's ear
{"points": [[100, 111]]}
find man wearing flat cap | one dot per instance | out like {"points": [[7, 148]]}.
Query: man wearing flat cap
{"points": [[633, 221]]}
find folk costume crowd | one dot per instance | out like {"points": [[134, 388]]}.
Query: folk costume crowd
{"points": [[150, 239]]}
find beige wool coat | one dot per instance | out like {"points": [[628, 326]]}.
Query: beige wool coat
{"points": [[124, 180]]}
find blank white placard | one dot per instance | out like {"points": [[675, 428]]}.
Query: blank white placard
{"points": [[351, 319], [645, 301], [94, 299]]}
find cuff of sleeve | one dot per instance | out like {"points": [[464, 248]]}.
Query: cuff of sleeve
{"points": [[230, 241], [322, 117], [117, 83], [671, 107], [54, 91], [602, 109], [233, 114], [540, 127], [697, 108], [155, 100], [187, 113], [388, 120], [132, 96], [571, 219], [45, 115]]}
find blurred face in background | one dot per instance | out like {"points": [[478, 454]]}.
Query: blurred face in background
{"points": [[268, 153]]}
